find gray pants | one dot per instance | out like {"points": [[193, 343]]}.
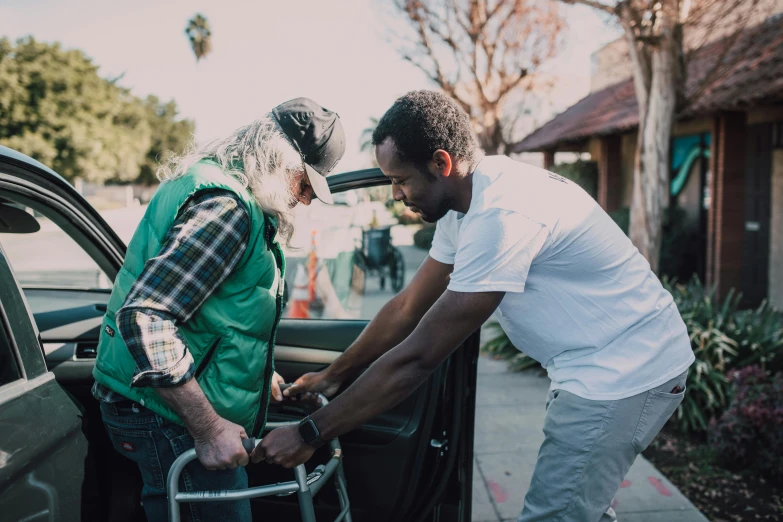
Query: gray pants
{"points": [[588, 448]]}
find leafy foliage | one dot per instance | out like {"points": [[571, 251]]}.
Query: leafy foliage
{"points": [[499, 346], [750, 433], [423, 237], [583, 173], [169, 134], [56, 108], [622, 216], [200, 36], [724, 338]]}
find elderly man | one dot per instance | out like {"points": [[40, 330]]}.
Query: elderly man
{"points": [[568, 288], [185, 353]]}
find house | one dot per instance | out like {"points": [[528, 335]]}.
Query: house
{"points": [[726, 154]]}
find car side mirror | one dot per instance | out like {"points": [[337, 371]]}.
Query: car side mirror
{"points": [[14, 220]]}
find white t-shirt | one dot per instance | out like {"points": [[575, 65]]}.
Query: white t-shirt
{"points": [[580, 298]]}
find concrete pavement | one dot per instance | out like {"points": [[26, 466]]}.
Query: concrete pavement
{"points": [[509, 430]]}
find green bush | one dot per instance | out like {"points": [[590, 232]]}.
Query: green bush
{"points": [[583, 173], [749, 434], [499, 347], [403, 214], [423, 238], [622, 216], [723, 338]]}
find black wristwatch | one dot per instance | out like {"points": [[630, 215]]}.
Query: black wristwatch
{"points": [[309, 433]]}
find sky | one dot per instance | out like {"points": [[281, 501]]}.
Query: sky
{"points": [[265, 52]]}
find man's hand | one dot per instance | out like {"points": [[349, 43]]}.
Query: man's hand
{"points": [[218, 441], [220, 446], [284, 447], [316, 382], [277, 380]]}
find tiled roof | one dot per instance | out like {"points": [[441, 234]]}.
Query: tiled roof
{"points": [[755, 77]]}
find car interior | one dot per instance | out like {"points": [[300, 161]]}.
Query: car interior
{"points": [[413, 462]]}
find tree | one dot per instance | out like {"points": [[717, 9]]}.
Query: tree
{"points": [[484, 54], [365, 140], [661, 35], [56, 108], [200, 36], [169, 134]]}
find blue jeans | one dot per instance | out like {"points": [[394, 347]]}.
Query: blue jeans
{"points": [[153, 443]]}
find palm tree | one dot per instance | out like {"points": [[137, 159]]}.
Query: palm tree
{"points": [[365, 139], [200, 36]]}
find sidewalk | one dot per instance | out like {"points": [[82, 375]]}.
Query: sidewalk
{"points": [[509, 429]]}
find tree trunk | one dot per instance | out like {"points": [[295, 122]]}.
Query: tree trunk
{"points": [[489, 132], [651, 165]]}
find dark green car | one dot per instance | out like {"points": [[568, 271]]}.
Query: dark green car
{"points": [[58, 260]]}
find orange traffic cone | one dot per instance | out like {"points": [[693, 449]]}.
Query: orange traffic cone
{"points": [[312, 264], [299, 306]]}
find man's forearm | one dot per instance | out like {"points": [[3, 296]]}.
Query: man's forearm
{"points": [[389, 380], [192, 406], [399, 372], [388, 329]]}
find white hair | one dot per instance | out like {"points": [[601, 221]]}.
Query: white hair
{"points": [[268, 164]]}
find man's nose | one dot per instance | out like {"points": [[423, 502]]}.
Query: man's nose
{"points": [[307, 196], [398, 195]]}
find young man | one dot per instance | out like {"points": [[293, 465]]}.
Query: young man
{"points": [[568, 288]]}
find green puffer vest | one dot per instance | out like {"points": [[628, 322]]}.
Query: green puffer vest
{"points": [[232, 335]]}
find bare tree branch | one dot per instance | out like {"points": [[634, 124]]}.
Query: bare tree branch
{"points": [[480, 52], [592, 3], [722, 66]]}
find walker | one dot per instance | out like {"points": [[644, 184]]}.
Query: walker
{"points": [[305, 486]]}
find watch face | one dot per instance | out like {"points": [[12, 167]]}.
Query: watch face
{"points": [[307, 430]]}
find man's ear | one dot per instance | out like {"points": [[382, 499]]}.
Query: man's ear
{"points": [[441, 162]]}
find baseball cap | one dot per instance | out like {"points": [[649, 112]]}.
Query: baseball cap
{"points": [[318, 135]]}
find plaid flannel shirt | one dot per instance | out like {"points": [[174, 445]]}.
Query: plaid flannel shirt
{"points": [[203, 246]]}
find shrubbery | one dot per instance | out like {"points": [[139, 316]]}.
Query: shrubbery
{"points": [[423, 238], [724, 338], [750, 433]]}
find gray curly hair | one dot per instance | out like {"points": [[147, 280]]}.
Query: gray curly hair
{"points": [[270, 162]]}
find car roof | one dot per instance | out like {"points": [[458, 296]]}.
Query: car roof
{"points": [[5, 152]]}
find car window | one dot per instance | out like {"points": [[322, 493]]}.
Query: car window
{"points": [[9, 367], [42, 253], [349, 259]]}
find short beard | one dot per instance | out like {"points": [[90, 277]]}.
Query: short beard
{"points": [[445, 205]]}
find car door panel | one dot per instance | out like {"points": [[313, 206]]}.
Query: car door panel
{"points": [[43, 452], [323, 334], [389, 460], [42, 449]]}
